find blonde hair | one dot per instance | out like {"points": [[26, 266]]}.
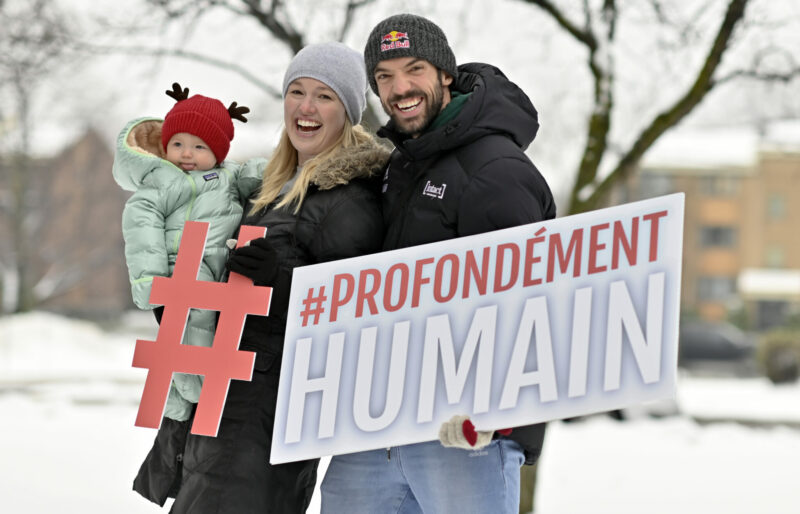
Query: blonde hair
{"points": [[283, 164]]}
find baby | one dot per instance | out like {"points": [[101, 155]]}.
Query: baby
{"points": [[177, 171]]}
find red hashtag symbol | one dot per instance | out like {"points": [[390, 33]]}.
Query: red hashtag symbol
{"points": [[222, 361], [317, 301]]}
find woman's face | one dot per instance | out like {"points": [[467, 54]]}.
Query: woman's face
{"points": [[314, 117]]}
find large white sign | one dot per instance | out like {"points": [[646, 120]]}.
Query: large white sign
{"points": [[519, 326]]}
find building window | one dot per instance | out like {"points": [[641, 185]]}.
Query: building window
{"points": [[719, 185], [718, 236], [771, 314], [651, 185], [774, 257], [716, 288], [776, 206]]}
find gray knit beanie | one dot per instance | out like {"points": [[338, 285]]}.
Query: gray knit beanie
{"points": [[408, 35], [339, 67]]}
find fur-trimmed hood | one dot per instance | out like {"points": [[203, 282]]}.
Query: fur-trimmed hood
{"points": [[139, 153], [363, 161]]}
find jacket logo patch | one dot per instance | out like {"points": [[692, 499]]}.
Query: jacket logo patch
{"points": [[434, 191], [211, 176], [394, 40]]}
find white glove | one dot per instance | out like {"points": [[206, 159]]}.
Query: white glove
{"points": [[459, 432]]}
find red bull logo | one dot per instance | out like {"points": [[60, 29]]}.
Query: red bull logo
{"points": [[394, 40]]}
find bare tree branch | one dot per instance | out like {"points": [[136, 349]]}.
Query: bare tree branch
{"points": [[268, 18], [588, 192], [670, 117], [600, 62], [610, 17], [350, 10], [33, 42], [757, 70], [270, 14], [585, 36], [587, 15], [764, 76], [185, 54], [181, 8], [658, 9], [273, 16]]}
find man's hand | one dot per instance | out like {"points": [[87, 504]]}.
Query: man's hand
{"points": [[459, 432]]}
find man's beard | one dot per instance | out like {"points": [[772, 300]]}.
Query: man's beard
{"points": [[433, 105]]}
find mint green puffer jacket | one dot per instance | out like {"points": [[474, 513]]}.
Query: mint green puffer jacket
{"points": [[165, 197]]}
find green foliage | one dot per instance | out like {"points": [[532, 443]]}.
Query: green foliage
{"points": [[779, 355], [740, 318]]}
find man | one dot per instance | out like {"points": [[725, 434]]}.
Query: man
{"points": [[458, 169]]}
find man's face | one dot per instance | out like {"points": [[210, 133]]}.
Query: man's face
{"points": [[412, 91]]}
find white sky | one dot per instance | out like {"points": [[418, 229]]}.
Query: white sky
{"points": [[510, 34]]}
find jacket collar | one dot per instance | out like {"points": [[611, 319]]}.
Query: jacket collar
{"points": [[346, 164], [495, 106]]}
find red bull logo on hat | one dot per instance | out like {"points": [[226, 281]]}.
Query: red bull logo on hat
{"points": [[394, 40]]}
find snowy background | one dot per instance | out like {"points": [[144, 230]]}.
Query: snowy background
{"points": [[69, 395]]}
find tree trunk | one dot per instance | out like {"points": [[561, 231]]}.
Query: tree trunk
{"points": [[20, 171], [527, 488]]}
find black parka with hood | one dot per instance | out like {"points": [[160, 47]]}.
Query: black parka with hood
{"points": [[339, 218], [334, 222], [469, 176]]}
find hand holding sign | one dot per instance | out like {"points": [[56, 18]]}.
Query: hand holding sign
{"points": [[459, 432], [257, 261], [219, 363], [513, 327]]}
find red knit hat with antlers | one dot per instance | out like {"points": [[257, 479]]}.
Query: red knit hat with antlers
{"points": [[204, 117]]}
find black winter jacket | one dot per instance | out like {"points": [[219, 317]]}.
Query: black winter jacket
{"points": [[469, 176], [340, 217]]}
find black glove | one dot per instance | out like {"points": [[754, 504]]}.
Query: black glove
{"points": [[158, 312], [257, 261]]}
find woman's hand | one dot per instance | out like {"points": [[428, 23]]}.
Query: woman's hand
{"points": [[257, 261]]}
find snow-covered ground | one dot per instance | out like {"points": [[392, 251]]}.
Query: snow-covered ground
{"points": [[68, 398]]}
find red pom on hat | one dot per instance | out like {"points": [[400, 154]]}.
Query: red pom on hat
{"points": [[204, 117]]}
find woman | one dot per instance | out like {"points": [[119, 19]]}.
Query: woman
{"points": [[319, 201]]}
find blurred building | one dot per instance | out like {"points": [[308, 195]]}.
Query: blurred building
{"points": [[742, 220], [74, 248]]}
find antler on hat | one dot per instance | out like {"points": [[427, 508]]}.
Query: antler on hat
{"points": [[238, 112], [177, 93]]}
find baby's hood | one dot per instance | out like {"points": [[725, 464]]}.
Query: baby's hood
{"points": [[139, 153]]}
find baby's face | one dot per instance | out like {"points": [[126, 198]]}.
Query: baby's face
{"points": [[190, 153]]}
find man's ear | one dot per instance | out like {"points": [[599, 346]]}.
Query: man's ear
{"points": [[447, 79]]}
